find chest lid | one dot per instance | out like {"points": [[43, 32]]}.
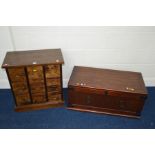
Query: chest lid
{"points": [[106, 79], [33, 57]]}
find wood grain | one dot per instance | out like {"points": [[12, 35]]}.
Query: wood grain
{"points": [[102, 90], [32, 57], [35, 86]]}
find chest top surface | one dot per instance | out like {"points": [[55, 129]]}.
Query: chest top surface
{"points": [[32, 57], [124, 81]]}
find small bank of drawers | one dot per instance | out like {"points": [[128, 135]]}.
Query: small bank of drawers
{"points": [[36, 84]]}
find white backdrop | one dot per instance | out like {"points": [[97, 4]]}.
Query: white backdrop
{"points": [[123, 48]]}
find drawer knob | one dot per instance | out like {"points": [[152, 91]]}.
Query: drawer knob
{"points": [[34, 70]]}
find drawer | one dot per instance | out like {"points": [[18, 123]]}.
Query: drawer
{"points": [[20, 88], [17, 74], [52, 71], [38, 98], [51, 82], [19, 85], [37, 88], [23, 99], [50, 93], [54, 97], [35, 72], [53, 88], [36, 81], [16, 71]]}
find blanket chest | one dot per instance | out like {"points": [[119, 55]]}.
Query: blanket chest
{"points": [[106, 91], [35, 78]]}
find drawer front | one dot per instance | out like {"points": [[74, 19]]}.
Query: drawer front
{"points": [[54, 93], [38, 98], [17, 74], [53, 82], [52, 97], [52, 71], [54, 88], [37, 86], [23, 99], [20, 88], [36, 81], [35, 72]]}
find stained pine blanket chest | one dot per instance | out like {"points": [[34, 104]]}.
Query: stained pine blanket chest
{"points": [[35, 78], [106, 91]]}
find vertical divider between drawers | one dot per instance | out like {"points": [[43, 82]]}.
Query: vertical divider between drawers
{"points": [[45, 82], [28, 83]]}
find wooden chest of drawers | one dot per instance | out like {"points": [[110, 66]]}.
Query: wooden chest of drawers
{"points": [[106, 91], [35, 78]]}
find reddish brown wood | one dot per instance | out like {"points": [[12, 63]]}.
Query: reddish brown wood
{"points": [[35, 86], [111, 91], [104, 111]]}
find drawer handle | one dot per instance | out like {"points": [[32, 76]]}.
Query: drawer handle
{"points": [[34, 70]]}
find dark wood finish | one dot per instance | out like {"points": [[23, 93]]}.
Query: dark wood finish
{"points": [[35, 78], [45, 83], [33, 57], [106, 91]]}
